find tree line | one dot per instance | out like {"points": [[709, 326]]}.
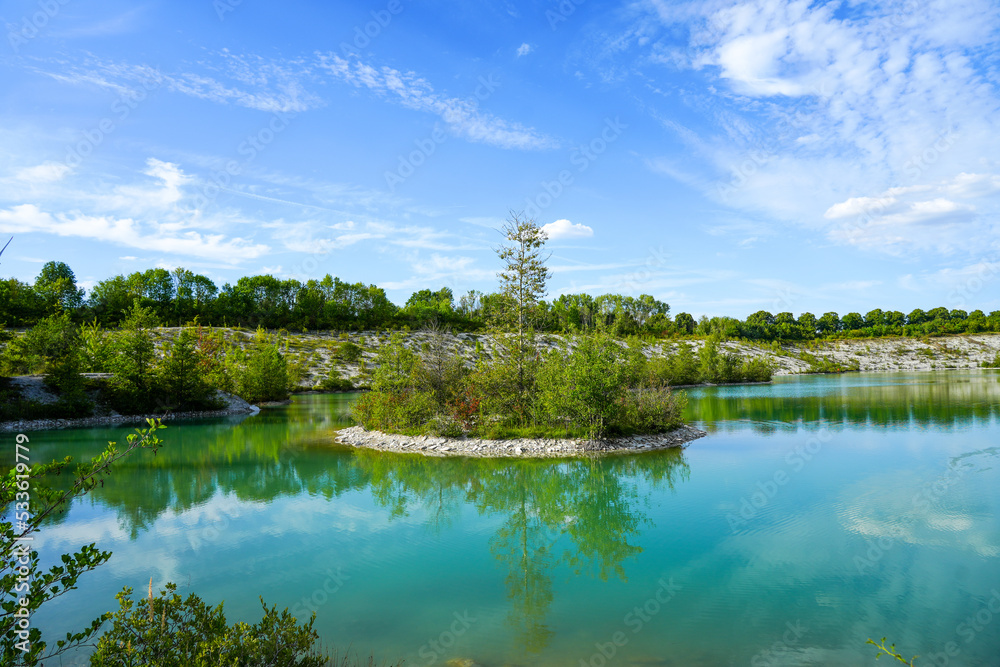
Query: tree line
{"points": [[180, 297]]}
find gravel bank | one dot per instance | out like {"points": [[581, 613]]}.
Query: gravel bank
{"points": [[356, 436], [33, 388]]}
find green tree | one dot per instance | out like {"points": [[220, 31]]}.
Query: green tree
{"points": [[522, 283], [57, 285], [852, 322], [131, 359], [808, 324], [917, 316], [685, 323], [587, 386], [524, 275], [875, 318], [260, 373], [20, 303], [829, 324], [180, 375]]}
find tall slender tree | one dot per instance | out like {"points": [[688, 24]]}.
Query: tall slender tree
{"points": [[522, 283], [524, 275]]}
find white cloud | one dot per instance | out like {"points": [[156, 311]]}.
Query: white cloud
{"points": [[248, 81], [47, 172], [462, 116], [128, 232], [524, 50], [817, 114], [564, 229]]}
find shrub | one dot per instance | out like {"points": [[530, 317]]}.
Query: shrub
{"points": [[587, 386], [348, 351], [184, 386], [169, 631], [260, 373], [758, 369], [651, 410], [336, 384], [404, 412]]}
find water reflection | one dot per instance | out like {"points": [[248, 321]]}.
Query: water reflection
{"points": [[582, 515], [949, 400]]}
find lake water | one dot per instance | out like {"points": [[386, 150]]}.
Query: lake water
{"points": [[820, 511]]}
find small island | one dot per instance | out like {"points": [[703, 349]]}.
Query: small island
{"points": [[593, 394], [357, 436]]}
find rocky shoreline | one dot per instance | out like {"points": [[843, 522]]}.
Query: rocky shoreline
{"points": [[234, 406], [428, 445]]}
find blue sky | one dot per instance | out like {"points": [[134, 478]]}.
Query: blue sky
{"points": [[724, 157]]}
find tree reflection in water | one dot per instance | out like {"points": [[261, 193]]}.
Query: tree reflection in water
{"points": [[580, 513]]}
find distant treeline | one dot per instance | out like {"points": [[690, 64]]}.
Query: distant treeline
{"points": [[180, 296]]}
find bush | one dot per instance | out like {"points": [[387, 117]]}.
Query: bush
{"points": [[169, 631], [599, 388], [131, 358], [348, 351], [260, 373], [407, 412], [586, 387], [758, 369], [184, 386], [651, 410], [336, 384]]}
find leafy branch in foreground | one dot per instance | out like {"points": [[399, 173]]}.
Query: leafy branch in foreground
{"points": [[170, 631], [891, 650], [24, 588]]}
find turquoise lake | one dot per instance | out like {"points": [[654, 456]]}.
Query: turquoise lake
{"points": [[818, 512]]}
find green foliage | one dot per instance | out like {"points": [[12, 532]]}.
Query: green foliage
{"points": [[336, 384], [47, 497], [991, 364], [56, 284], [828, 365], [95, 347], [131, 356], [260, 373], [408, 411], [169, 631], [718, 367], [394, 364], [890, 651], [348, 351], [51, 347], [438, 369], [586, 387], [185, 388]]}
